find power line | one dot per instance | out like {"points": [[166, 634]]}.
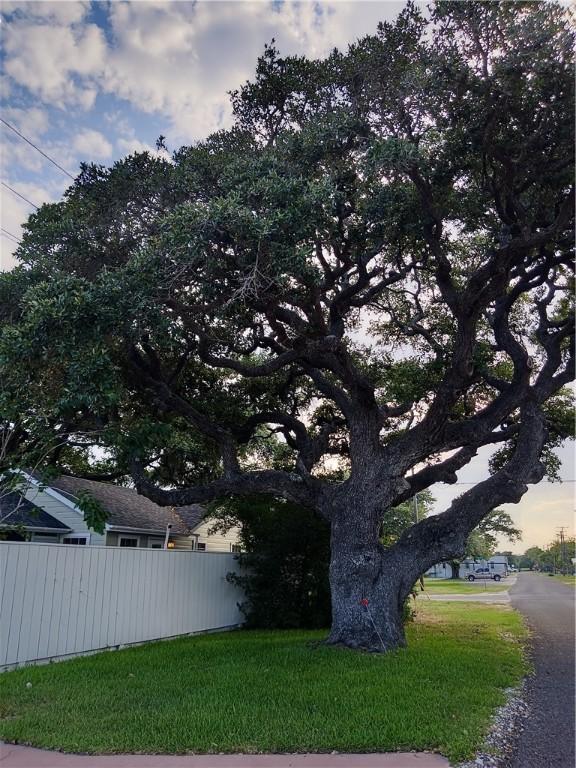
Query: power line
{"points": [[19, 195], [36, 148], [6, 233], [559, 482], [560, 534]]}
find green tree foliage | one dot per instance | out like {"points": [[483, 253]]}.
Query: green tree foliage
{"points": [[402, 517], [283, 569], [557, 557], [565, 554], [180, 315], [532, 558], [482, 542]]}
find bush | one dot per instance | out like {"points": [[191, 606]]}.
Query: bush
{"points": [[284, 568]]}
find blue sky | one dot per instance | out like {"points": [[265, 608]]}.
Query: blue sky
{"points": [[94, 81]]}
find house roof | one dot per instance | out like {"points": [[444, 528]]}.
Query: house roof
{"points": [[16, 510], [128, 509], [192, 515]]}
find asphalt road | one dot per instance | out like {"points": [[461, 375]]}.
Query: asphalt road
{"points": [[547, 740]]}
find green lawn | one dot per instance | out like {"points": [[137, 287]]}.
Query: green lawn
{"points": [[460, 587], [566, 579], [276, 691]]}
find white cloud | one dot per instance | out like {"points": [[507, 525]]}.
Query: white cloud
{"points": [[18, 156], [154, 64], [5, 87], [129, 146], [15, 212], [119, 123], [92, 144], [155, 29], [180, 59], [174, 58], [62, 11], [56, 63], [33, 122]]}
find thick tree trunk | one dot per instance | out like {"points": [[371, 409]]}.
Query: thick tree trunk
{"points": [[455, 566], [367, 599]]}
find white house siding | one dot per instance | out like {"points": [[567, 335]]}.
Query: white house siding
{"points": [[144, 540], [439, 571], [70, 517], [184, 542], [216, 542], [57, 600]]}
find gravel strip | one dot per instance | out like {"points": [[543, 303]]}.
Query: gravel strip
{"points": [[508, 722]]}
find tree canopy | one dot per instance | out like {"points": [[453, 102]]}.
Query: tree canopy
{"points": [[338, 301], [557, 556]]}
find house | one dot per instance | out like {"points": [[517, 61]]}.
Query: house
{"points": [[439, 571], [498, 564], [49, 513], [19, 518]]}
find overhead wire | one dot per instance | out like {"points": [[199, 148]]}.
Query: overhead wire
{"points": [[544, 481], [4, 231], [4, 184], [9, 234], [17, 132]]}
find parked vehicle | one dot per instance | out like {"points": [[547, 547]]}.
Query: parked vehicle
{"points": [[484, 573]]}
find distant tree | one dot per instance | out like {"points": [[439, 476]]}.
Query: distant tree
{"points": [[481, 543], [558, 556], [532, 558], [401, 518], [178, 315]]}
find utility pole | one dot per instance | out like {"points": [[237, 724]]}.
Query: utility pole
{"points": [[415, 505], [560, 534]]}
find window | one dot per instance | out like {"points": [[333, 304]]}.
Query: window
{"points": [[156, 543], [78, 540], [201, 546], [127, 541], [235, 548]]}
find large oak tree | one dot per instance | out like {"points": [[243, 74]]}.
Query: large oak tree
{"points": [[337, 302]]}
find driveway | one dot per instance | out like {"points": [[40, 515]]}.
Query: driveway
{"points": [[547, 740]]}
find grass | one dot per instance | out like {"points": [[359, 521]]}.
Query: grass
{"points": [[255, 691], [459, 587], [566, 579]]}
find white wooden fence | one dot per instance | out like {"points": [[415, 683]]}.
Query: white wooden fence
{"points": [[60, 600]]}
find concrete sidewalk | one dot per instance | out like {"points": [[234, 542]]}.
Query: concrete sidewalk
{"points": [[13, 756], [494, 598], [483, 595]]}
